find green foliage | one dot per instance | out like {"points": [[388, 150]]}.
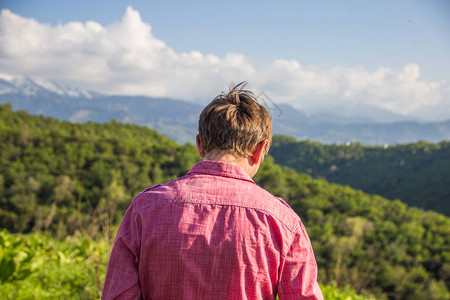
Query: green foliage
{"points": [[14, 264], [42, 267], [417, 173], [333, 292]]}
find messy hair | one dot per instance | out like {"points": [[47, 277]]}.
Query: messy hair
{"points": [[235, 123]]}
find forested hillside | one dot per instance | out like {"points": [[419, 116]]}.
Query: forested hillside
{"points": [[64, 178], [417, 174]]}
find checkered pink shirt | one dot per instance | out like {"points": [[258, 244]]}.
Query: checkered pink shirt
{"points": [[212, 234]]}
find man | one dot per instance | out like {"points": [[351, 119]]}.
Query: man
{"points": [[214, 234]]}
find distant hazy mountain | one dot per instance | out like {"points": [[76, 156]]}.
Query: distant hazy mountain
{"points": [[337, 128], [178, 119], [359, 113]]}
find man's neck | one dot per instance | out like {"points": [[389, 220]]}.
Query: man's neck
{"points": [[245, 163]]}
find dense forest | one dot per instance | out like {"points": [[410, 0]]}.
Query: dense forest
{"points": [[68, 179], [417, 174]]}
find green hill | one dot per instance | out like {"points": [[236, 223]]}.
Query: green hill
{"points": [[417, 174], [64, 177], [70, 179]]}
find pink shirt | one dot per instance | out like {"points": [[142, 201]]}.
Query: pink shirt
{"points": [[212, 234]]}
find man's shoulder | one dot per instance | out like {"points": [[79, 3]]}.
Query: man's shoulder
{"points": [[275, 206]]}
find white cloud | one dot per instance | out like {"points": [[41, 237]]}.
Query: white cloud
{"points": [[401, 92], [122, 58], [125, 58]]}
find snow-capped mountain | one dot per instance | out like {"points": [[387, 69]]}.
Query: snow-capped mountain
{"points": [[27, 86]]}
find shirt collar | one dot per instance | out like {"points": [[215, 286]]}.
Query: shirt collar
{"points": [[218, 168]]}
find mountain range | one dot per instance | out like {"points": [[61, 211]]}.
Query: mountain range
{"points": [[178, 119]]}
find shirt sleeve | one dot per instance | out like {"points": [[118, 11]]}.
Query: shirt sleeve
{"points": [[298, 279], [122, 278]]}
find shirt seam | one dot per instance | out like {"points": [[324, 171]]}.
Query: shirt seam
{"points": [[139, 210]]}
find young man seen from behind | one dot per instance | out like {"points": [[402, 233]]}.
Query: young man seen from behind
{"points": [[213, 233]]}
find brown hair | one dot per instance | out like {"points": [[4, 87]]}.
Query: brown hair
{"points": [[235, 122]]}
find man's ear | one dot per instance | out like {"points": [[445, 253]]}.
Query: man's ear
{"points": [[200, 149], [258, 154]]}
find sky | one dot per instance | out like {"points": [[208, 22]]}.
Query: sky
{"points": [[315, 55]]}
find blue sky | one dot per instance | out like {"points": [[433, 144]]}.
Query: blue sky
{"points": [[315, 42]]}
